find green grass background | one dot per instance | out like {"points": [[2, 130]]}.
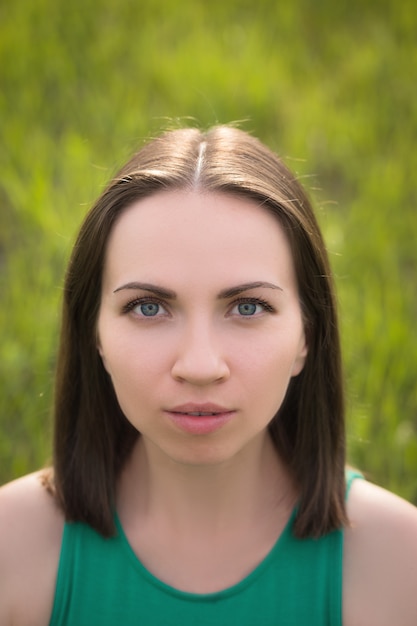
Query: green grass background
{"points": [[330, 85]]}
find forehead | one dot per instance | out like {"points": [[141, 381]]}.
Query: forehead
{"points": [[197, 234]]}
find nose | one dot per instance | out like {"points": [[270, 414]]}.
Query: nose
{"points": [[200, 359]]}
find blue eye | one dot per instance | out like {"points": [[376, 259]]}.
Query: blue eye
{"points": [[149, 309], [247, 308], [251, 307], [143, 307]]}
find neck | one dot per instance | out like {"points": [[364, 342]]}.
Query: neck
{"points": [[243, 490]]}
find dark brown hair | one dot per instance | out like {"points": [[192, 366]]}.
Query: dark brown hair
{"points": [[92, 436]]}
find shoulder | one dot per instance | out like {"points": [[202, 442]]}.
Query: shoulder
{"points": [[380, 558], [31, 527]]}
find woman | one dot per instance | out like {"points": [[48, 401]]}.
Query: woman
{"points": [[199, 469]]}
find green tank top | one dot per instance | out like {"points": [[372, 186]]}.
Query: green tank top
{"points": [[101, 581]]}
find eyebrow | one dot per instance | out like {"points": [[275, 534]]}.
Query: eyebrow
{"points": [[158, 291], [235, 291], [230, 292]]}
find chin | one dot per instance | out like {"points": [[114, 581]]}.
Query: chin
{"points": [[199, 455]]}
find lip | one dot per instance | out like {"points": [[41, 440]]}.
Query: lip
{"points": [[200, 419], [198, 407]]}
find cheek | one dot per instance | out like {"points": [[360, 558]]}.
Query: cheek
{"points": [[134, 380], [265, 387], [271, 367], [131, 362]]}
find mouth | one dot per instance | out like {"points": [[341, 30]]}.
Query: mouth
{"points": [[200, 410], [200, 419], [195, 413]]}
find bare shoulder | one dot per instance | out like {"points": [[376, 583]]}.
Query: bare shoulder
{"points": [[31, 527], [380, 560]]}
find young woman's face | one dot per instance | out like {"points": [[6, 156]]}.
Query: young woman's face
{"points": [[200, 326]]}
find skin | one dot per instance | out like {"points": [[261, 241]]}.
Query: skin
{"points": [[200, 345], [225, 493]]}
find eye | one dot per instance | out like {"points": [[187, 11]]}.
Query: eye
{"points": [[142, 307], [149, 309], [249, 307]]}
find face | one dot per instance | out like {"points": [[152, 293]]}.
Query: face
{"points": [[200, 326]]}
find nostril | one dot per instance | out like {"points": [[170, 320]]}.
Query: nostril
{"points": [[202, 370]]}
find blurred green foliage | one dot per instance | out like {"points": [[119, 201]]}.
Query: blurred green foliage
{"points": [[329, 85]]}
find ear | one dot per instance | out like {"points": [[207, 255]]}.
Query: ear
{"points": [[101, 353], [301, 356]]}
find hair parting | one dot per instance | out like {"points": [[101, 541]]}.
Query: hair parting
{"points": [[200, 161]]}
